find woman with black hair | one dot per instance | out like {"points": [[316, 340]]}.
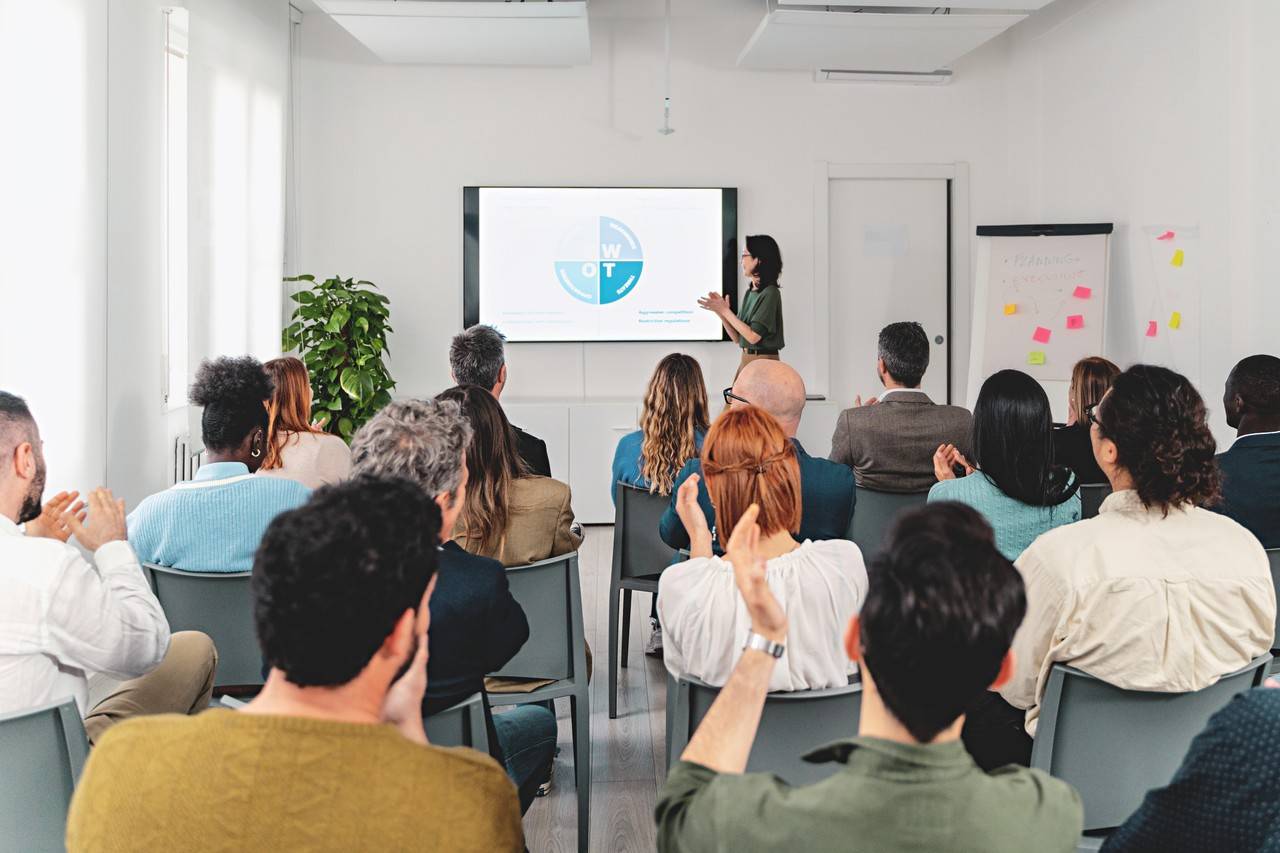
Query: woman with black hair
{"points": [[1012, 481], [757, 327], [214, 522]]}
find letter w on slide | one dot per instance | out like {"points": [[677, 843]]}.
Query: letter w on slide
{"points": [[611, 250]]}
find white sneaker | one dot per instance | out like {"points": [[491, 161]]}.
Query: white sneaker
{"points": [[653, 648]]}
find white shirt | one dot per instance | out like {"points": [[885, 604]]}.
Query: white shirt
{"points": [[62, 618], [1143, 601], [705, 622], [313, 459]]}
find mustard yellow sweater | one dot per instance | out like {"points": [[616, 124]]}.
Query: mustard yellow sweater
{"points": [[225, 780]]}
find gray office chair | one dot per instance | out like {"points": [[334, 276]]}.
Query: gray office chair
{"points": [[874, 512], [1091, 497], [550, 593], [221, 605], [793, 723], [639, 556], [460, 725], [42, 752], [1114, 745]]}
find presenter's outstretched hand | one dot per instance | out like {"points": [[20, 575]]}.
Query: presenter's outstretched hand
{"points": [[695, 523], [714, 302]]}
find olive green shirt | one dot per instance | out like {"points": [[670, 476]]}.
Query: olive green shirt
{"points": [[887, 798], [762, 311]]}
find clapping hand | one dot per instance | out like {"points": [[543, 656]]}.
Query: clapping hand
{"points": [[691, 516], [743, 551], [105, 522], [858, 401], [714, 302], [51, 523], [947, 456]]}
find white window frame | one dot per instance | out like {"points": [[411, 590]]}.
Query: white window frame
{"points": [[175, 288]]}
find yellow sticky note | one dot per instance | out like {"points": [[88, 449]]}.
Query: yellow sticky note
{"points": [[1175, 321], [1011, 308], [1035, 357], [1177, 258]]}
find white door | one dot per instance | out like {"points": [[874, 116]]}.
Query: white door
{"points": [[888, 262]]}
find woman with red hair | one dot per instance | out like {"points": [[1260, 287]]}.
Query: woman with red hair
{"points": [[747, 459], [297, 450]]}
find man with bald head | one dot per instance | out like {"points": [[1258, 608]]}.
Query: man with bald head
{"points": [[826, 488]]}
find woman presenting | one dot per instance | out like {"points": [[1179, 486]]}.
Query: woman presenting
{"points": [[757, 327]]}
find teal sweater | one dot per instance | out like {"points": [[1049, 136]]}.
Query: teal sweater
{"points": [[1016, 524], [214, 522]]}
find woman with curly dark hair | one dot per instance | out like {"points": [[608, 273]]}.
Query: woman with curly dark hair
{"points": [[1153, 594], [214, 522]]}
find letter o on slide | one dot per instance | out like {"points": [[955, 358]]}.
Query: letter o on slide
{"points": [[589, 269]]}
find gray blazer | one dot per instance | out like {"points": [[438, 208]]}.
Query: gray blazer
{"points": [[890, 445]]}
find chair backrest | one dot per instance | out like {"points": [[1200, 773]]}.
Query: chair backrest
{"points": [[793, 723], [1274, 556], [1091, 497], [1114, 745], [221, 605], [550, 594], [460, 725], [42, 752], [638, 550], [873, 513]]}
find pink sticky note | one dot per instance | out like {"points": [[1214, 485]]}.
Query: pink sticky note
{"points": [[1168, 235], [1041, 335], [1075, 321], [1082, 292], [1151, 329]]}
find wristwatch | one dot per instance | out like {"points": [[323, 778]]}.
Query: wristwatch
{"points": [[763, 644]]}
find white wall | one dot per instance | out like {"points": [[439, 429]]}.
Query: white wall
{"points": [[385, 150], [53, 61], [237, 94], [1155, 112]]}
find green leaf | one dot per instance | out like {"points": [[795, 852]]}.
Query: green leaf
{"points": [[350, 382], [381, 399], [304, 297], [334, 405], [345, 427], [362, 323]]}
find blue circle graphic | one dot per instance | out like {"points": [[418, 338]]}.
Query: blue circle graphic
{"points": [[612, 273]]}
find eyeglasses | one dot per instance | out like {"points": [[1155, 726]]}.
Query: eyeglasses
{"points": [[729, 397], [1090, 417]]}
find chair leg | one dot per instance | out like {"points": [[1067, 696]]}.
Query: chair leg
{"points": [[581, 719], [626, 623], [613, 653]]}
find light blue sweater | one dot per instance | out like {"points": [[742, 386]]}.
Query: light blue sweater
{"points": [[1016, 524], [214, 522]]}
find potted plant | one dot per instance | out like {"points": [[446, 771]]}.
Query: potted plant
{"points": [[340, 330]]}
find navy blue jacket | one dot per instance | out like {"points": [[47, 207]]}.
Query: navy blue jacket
{"points": [[827, 496], [1251, 485]]}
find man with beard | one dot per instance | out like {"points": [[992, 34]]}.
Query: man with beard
{"points": [[62, 618]]}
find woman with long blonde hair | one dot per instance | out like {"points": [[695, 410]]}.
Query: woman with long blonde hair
{"points": [[748, 461], [673, 423], [296, 449]]}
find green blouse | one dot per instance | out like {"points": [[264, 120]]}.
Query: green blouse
{"points": [[762, 311]]}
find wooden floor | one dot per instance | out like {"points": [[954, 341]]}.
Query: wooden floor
{"points": [[627, 754]]}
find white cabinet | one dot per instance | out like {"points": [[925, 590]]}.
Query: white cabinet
{"points": [[549, 422], [594, 430]]}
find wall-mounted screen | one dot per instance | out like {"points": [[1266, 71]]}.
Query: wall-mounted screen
{"points": [[598, 263]]}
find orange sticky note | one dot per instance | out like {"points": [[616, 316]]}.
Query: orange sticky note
{"points": [[1075, 321], [1151, 329], [1175, 321], [1011, 308], [1041, 335], [1035, 357], [1177, 258]]}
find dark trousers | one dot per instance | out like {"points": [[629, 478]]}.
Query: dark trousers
{"points": [[995, 733]]}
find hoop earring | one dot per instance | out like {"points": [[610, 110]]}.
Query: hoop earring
{"points": [[255, 453]]}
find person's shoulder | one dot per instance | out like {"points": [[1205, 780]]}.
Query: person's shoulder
{"points": [[538, 491], [286, 490], [455, 558], [838, 551], [465, 765], [836, 470], [152, 732], [1046, 807]]}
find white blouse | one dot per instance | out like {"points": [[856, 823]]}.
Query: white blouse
{"points": [[705, 622], [313, 459]]}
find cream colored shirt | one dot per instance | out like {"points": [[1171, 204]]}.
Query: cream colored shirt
{"points": [[705, 622], [1142, 601], [313, 459]]}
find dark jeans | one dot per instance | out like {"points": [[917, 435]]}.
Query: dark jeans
{"points": [[995, 733], [527, 735]]}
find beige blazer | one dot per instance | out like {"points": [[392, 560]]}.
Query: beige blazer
{"points": [[539, 525]]}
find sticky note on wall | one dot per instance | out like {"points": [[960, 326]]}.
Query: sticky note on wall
{"points": [[1035, 357], [1041, 335], [1177, 258], [1082, 292], [1011, 308], [1075, 321], [1175, 321], [1151, 329], [1168, 235]]}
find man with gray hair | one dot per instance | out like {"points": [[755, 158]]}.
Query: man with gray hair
{"points": [[476, 624], [477, 356]]}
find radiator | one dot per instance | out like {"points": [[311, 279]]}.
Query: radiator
{"points": [[185, 461]]}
